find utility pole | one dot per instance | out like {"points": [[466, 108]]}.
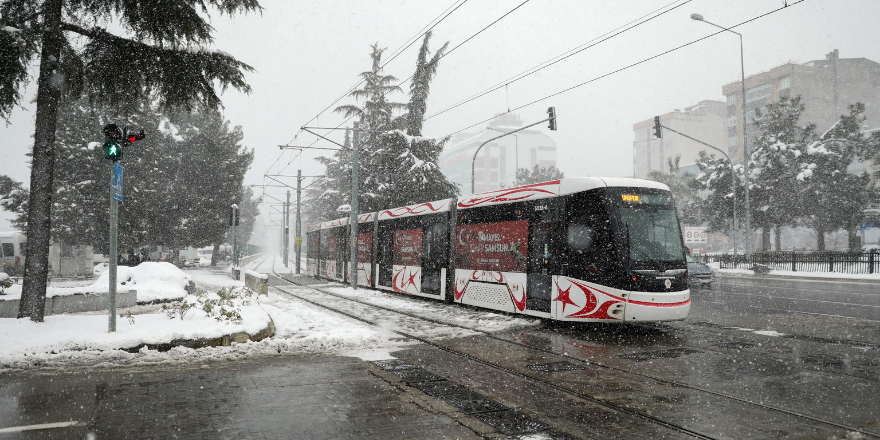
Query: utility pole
{"points": [[287, 230], [353, 219], [233, 221], [297, 243]]}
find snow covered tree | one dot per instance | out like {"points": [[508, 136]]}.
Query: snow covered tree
{"points": [[537, 175], [835, 198], [395, 168], [683, 187], [421, 86], [163, 56], [718, 176], [774, 196]]}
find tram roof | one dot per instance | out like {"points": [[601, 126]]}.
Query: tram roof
{"points": [[552, 188]]}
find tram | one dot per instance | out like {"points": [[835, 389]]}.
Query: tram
{"points": [[574, 249]]}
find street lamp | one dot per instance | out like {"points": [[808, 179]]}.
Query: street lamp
{"points": [[516, 139], [698, 17]]}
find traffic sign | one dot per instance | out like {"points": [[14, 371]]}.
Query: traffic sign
{"points": [[298, 240], [117, 181]]}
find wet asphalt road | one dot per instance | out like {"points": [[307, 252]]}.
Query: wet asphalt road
{"points": [[757, 358]]}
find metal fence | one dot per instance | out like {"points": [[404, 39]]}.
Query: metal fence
{"points": [[840, 262]]}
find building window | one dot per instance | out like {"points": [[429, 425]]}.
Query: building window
{"points": [[750, 116], [655, 147], [731, 121], [759, 92], [731, 99], [784, 83], [731, 141], [667, 144]]}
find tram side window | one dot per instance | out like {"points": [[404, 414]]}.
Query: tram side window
{"points": [[8, 249]]}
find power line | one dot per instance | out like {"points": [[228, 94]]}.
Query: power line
{"points": [[623, 68], [565, 55], [441, 57], [437, 20]]}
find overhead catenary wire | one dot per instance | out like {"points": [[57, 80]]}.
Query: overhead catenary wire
{"points": [[565, 55], [439, 58], [616, 71], [409, 42]]}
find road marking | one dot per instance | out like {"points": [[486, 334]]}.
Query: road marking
{"points": [[40, 426]]}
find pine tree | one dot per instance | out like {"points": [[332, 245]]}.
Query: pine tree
{"points": [[164, 58], [421, 86]]}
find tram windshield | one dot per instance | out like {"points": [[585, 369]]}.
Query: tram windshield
{"points": [[652, 227]]}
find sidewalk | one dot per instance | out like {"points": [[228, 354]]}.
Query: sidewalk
{"points": [[294, 396]]}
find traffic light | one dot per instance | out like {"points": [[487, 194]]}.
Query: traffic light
{"points": [[551, 112], [658, 132], [112, 150], [728, 202], [134, 136], [115, 140]]}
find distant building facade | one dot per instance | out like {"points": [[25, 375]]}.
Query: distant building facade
{"points": [[827, 88], [705, 121], [498, 161]]}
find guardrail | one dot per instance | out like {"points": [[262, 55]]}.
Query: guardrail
{"points": [[840, 262], [257, 282]]}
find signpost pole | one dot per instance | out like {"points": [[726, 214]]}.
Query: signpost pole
{"points": [[115, 196]]}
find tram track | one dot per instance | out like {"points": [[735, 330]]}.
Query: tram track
{"points": [[602, 402]]}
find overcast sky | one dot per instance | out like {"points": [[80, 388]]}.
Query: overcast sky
{"points": [[307, 53]]}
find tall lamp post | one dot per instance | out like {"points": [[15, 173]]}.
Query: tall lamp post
{"points": [[698, 17], [516, 145]]}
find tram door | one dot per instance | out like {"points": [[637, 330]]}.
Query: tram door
{"points": [[341, 254], [433, 257], [539, 274], [385, 256]]}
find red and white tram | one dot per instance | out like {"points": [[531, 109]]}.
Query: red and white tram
{"points": [[575, 249]]}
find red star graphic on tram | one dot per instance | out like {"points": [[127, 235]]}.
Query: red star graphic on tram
{"points": [[564, 298], [412, 280]]}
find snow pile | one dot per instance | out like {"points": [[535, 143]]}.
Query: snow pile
{"points": [[153, 281], [71, 335]]}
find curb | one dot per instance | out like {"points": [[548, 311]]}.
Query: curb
{"points": [[791, 277], [221, 341]]}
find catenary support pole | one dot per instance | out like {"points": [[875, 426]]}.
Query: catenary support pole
{"points": [[111, 296], [297, 246], [287, 230], [234, 237], [353, 219]]}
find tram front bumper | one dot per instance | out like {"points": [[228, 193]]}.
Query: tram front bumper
{"points": [[657, 306]]}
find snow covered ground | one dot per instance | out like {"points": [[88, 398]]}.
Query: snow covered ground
{"points": [[82, 340]]}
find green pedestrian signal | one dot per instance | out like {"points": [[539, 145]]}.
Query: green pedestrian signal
{"points": [[115, 139], [112, 150]]}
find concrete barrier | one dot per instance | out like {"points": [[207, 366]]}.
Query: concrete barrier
{"points": [[243, 261], [257, 282], [80, 302]]}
